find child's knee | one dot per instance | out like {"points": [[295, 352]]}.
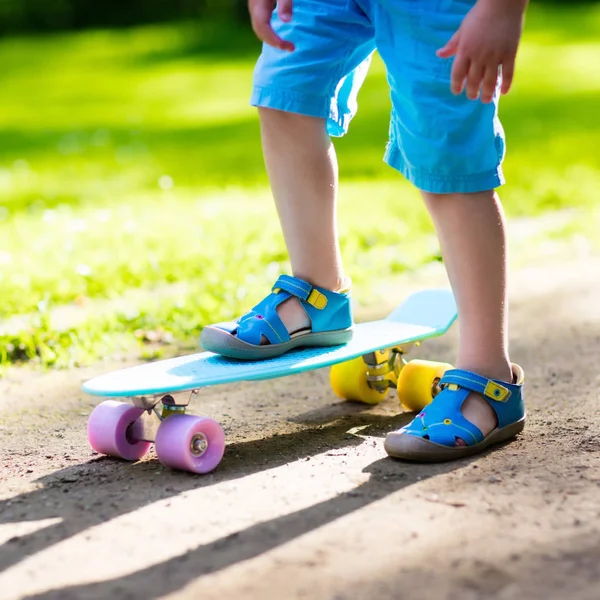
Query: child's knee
{"points": [[450, 196], [270, 117], [282, 115]]}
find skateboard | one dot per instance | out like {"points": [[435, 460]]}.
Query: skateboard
{"points": [[363, 370]]}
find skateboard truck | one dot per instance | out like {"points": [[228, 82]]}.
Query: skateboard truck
{"points": [[384, 366], [174, 400], [146, 426]]}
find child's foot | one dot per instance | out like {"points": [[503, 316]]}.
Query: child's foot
{"points": [[470, 414], [477, 409], [294, 317], [295, 314]]}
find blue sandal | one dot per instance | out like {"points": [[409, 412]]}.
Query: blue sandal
{"points": [[431, 436], [330, 314]]}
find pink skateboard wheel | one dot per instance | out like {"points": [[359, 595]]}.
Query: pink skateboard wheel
{"points": [[190, 443], [108, 430]]}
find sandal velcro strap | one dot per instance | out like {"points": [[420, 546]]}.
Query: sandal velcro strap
{"points": [[475, 383], [301, 289], [294, 286]]}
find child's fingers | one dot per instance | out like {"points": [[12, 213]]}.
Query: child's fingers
{"points": [[261, 23], [488, 88], [284, 9], [451, 47], [460, 68], [474, 77], [508, 71]]}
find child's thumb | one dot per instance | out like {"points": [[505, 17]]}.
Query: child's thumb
{"points": [[451, 47]]}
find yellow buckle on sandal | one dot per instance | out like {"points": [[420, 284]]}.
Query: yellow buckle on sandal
{"points": [[317, 299], [496, 392]]}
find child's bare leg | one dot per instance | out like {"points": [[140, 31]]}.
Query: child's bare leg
{"points": [[302, 168], [471, 231]]}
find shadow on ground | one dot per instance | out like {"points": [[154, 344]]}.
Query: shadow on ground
{"points": [[559, 432]]}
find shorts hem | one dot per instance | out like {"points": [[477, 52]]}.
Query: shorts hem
{"points": [[302, 104], [435, 183]]}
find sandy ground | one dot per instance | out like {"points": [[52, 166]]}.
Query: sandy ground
{"points": [[305, 503]]}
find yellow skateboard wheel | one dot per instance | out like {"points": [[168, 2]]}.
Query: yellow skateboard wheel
{"points": [[417, 383], [349, 382]]}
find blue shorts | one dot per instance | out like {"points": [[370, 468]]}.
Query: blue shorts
{"points": [[442, 143]]}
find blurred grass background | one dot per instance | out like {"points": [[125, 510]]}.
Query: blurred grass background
{"points": [[133, 198]]}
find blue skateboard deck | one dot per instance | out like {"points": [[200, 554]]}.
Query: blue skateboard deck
{"points": [[423, 315]]}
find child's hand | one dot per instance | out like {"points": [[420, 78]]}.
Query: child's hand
{"points": [[487, 39], [260, 14]]}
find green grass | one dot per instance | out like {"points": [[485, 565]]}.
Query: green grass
{"points": [[131, 172]]}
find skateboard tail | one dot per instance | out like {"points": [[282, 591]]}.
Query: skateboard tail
{"points": [[430, 308]]}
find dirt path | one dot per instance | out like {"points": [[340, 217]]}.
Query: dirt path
{"points": [[305, 503]]}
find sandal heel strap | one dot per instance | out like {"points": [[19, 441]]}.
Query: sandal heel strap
{"points": [[475, 383], [312, 295]]}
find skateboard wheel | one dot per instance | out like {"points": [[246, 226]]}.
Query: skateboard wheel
{"points": [[109, 427], [190, 443], [417, 383], [349, 382]]}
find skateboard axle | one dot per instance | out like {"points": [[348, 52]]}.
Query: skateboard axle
{"points": [[383, 368], [199, 444]]}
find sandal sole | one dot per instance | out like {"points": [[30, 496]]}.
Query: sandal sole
{"points": [[221, 342], [408, 447]]}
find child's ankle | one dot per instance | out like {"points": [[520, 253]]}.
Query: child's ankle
{"points": [[338, 284], [344, 285], [500, 370]]}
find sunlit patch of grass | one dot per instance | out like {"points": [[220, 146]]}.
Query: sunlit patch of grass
{"points": [[130, 160]]}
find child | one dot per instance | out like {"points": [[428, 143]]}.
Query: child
{"points": [[445, 137]]}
